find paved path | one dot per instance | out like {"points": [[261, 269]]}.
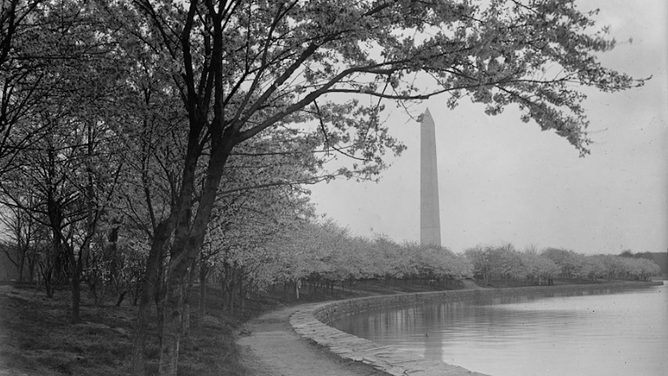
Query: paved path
{"points": [[272, 348]]}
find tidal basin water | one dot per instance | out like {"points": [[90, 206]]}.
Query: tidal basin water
{"points": [[602, 333]]}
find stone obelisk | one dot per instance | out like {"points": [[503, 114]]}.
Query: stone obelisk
{"points": [[430, 223]]}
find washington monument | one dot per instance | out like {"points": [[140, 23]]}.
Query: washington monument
{"points": [[430, 223]]}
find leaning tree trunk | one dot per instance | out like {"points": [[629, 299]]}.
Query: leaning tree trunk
{"points": [[188, 240], [153, 265], [176, 282]]}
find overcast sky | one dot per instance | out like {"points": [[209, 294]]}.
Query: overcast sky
{"points": [[501, 180]]}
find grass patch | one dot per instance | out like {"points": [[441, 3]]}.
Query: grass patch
{"points": [[36, 338], [43, 342]]}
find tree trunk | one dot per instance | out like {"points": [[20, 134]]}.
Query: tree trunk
{"points": [[50, 290], [186, 301], [241, 291], [231, 285], [227, 287], [120, 298], [22, 261], [173, 318], [188, 237], [111, 251], [203, 272], [76, 297], [31, 268], [223, 292], [136, 293], [46, 277], [159, 296], [77, 271], [153, 268], [187, 244]]}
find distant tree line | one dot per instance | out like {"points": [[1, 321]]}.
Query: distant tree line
{"points": [[660, 258], [507, 263]]}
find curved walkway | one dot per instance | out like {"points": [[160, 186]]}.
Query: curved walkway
{"points": [[271, 348], [291, 342]]}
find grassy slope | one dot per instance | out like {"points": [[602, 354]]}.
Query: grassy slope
{"points": [[37, 339]]}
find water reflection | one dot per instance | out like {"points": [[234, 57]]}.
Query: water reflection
{"points": [[583, 334]]}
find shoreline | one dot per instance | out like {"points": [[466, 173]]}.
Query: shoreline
{"points": [[310, 323]]}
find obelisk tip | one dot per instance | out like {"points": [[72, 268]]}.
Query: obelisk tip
{"points": [[423, 116]]}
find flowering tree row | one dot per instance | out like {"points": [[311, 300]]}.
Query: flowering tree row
{"points": [[507, 263], [328, 253], [574, 265], [322, 254]]}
